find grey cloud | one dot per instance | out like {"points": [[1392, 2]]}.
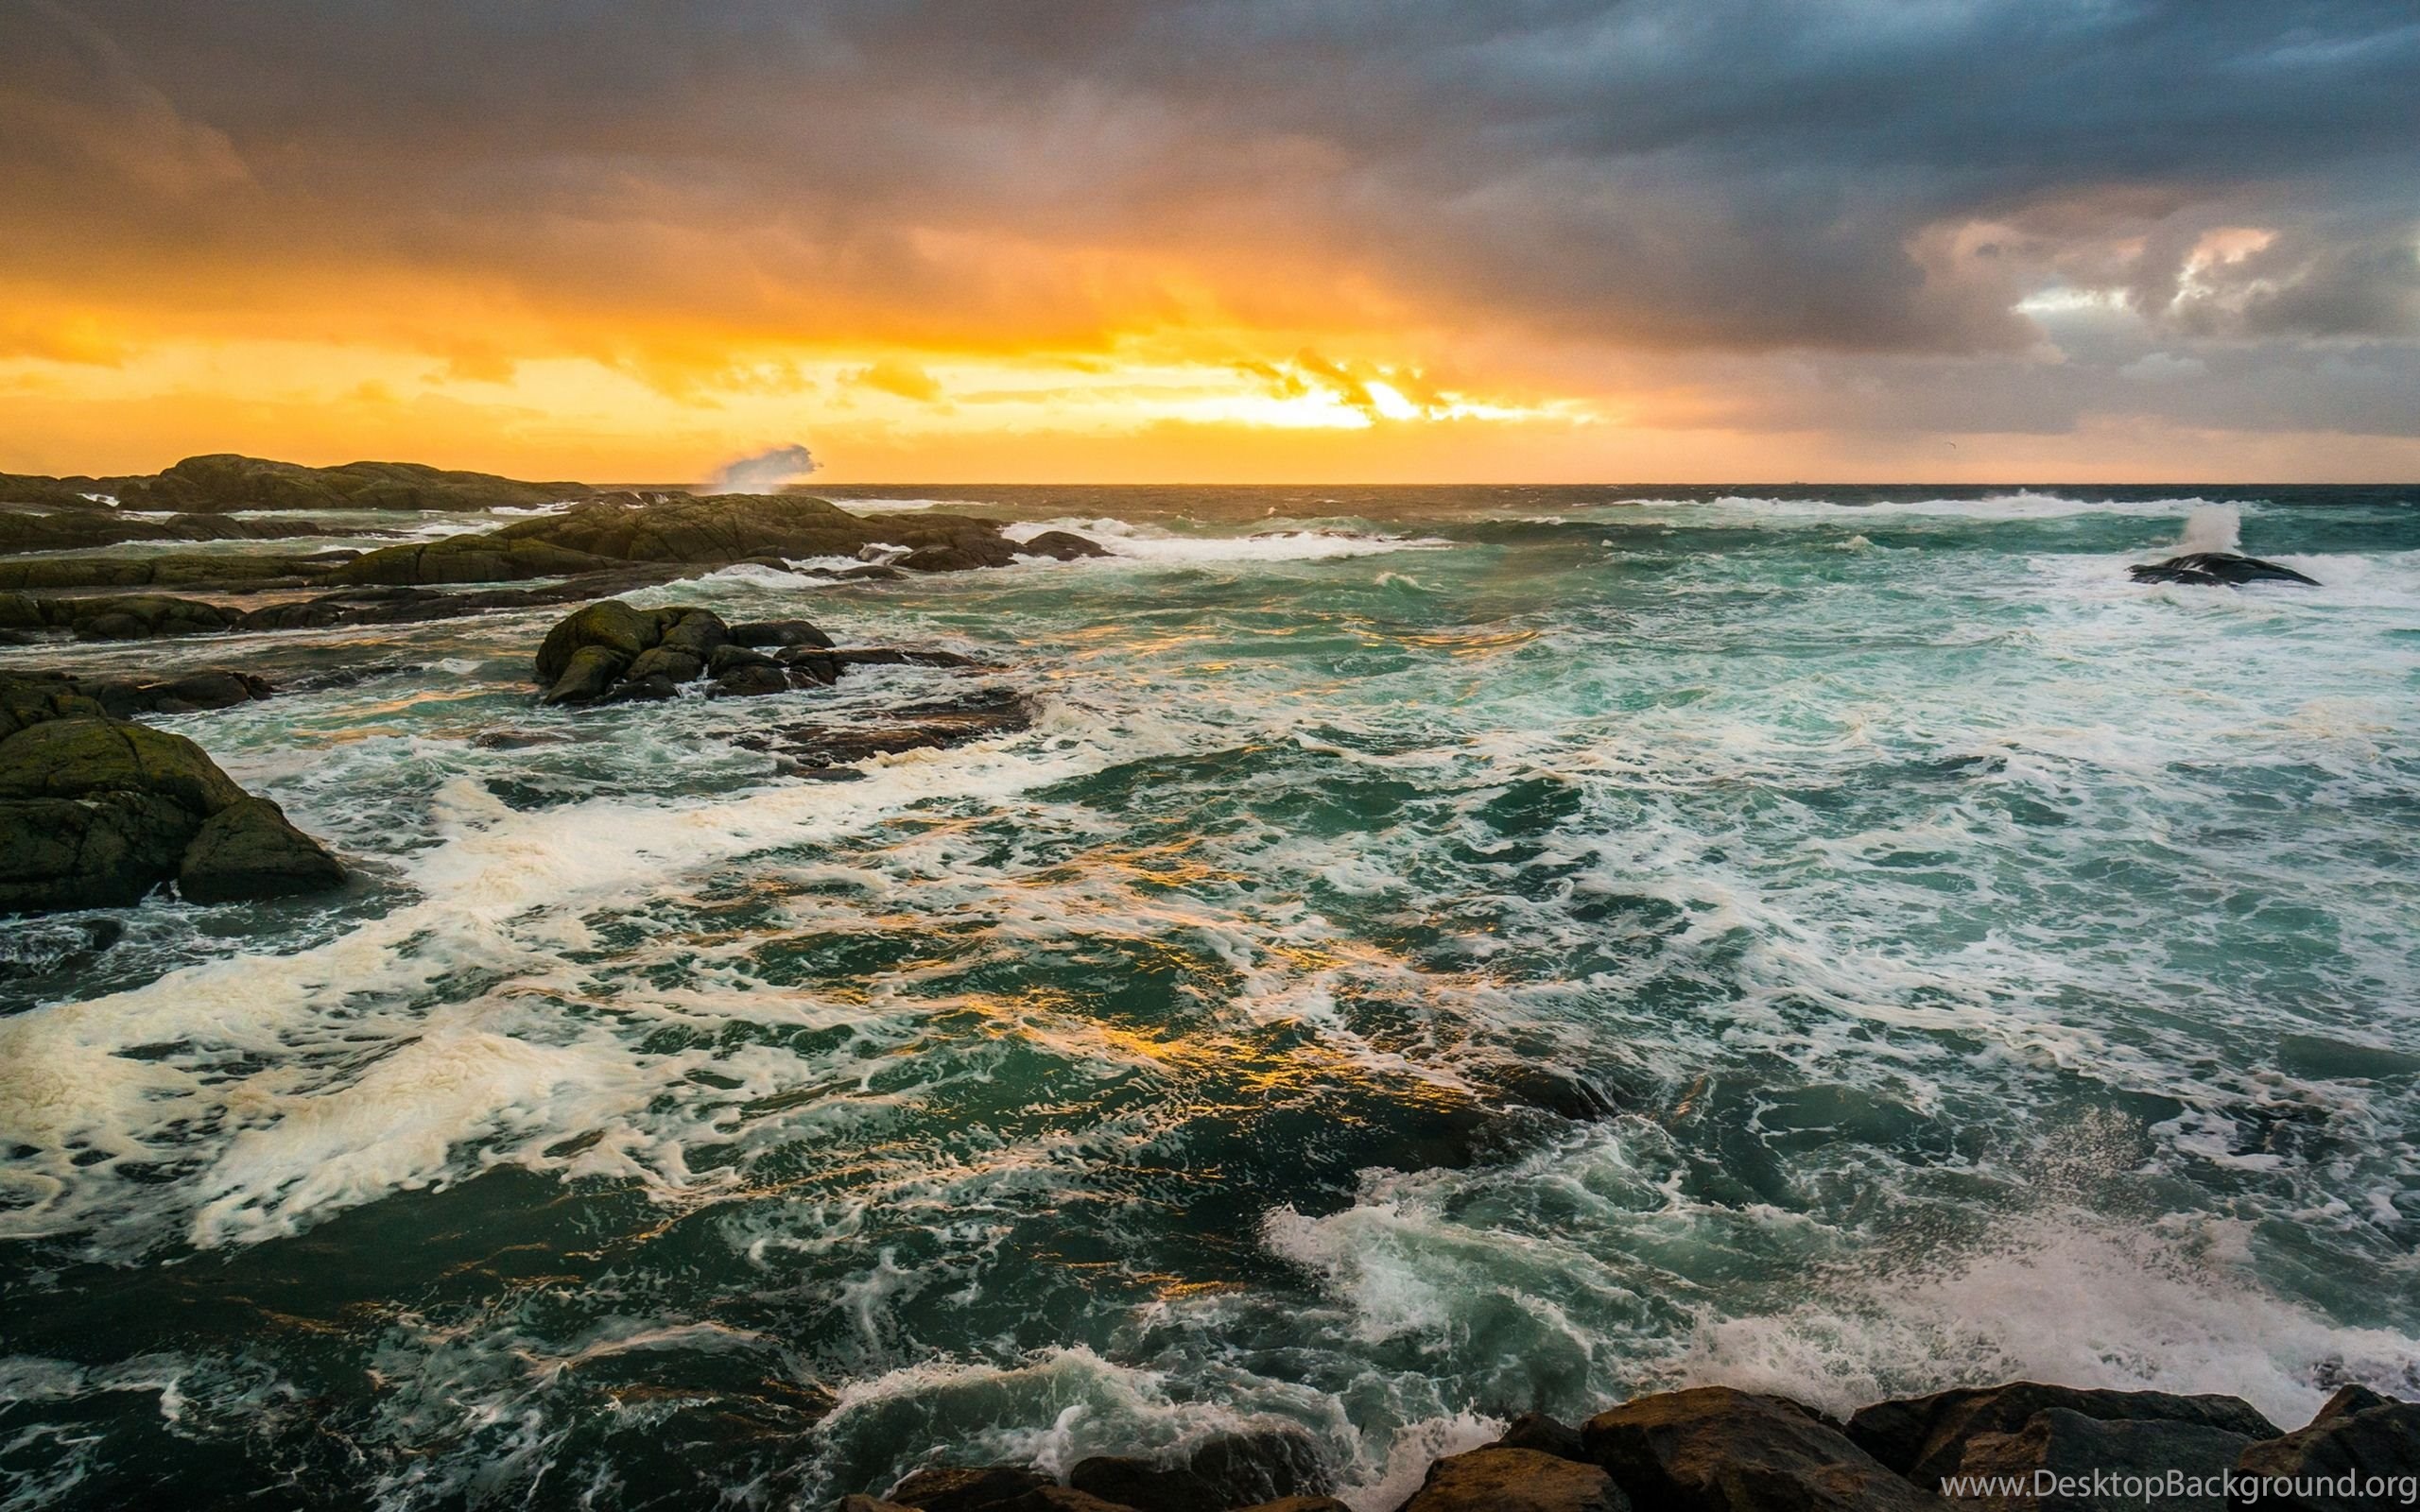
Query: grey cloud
{"points": [[1713, 175]]}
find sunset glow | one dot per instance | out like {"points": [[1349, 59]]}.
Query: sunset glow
{"points": [[991, 251]]}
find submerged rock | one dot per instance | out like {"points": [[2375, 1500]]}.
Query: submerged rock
{"points": [[2214, 569], [1717, 1449], [1925, 1437], [2359, 1441], [930, 725], [97, 811]]}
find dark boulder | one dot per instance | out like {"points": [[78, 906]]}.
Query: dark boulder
{"points": [[97, 813], [749, 682], [779, 633], [612, 651], [668, 662], [731, 657], [966, 1489], [1260, 1464], [2359, 1450], [477, 559], [960, 556], [1717, 1449], [1063, 544], [2215, 569], [1139, 1482], [1064, 1498], [1516, 1479], [1925, 1437], [1547, 1436], [2094, 1458], [248, 849], [1297, 1503]]}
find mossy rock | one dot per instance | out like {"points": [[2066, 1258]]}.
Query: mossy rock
{"points": [[248, 849], [79, 758], [97, 811]]}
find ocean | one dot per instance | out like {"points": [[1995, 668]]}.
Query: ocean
{"points": [[1438, 953]]}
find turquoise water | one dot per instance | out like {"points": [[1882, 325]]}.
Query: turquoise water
{"points": [[1985, 966]]}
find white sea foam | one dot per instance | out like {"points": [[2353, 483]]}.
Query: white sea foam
{"points": [[2025, 505], [2068, 1300], [1145, 544]]}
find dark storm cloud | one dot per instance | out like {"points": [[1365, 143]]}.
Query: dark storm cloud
{"points": [[1685, 174]]}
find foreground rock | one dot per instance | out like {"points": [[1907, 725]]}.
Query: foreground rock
{"points": [[1717, 1449], [1925, 1438], [2215, 569], [2360, 1451], [97, 811], [221, 481], [2058, 1448], [1516, 1480]]}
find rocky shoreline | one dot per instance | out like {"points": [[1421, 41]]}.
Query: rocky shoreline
{"points": [[2021, 1447], [590, 544], [98, 810]]}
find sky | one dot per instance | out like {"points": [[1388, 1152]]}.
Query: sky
{"points": [[1291, 240]]}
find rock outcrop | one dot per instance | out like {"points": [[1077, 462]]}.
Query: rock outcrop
{"points": [[2355, 1454], [174, 571], [1717, 1449], [1924, 1438], [2057, 1445], [86, 526], [2215, 569], [710, 530], [97, 811], [34, 697], [1516, 1479], [611, 653], [149, 616], [223, 482]]}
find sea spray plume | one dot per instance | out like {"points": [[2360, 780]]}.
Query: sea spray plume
{"points": [[765, 473], [2212, 527]]}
